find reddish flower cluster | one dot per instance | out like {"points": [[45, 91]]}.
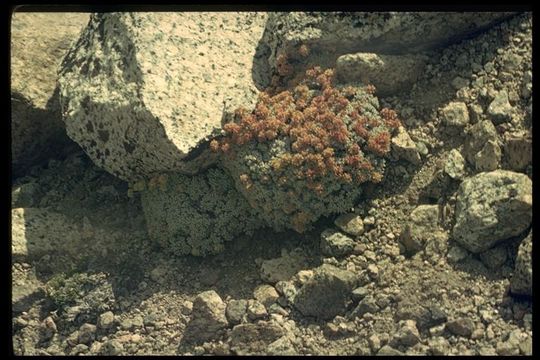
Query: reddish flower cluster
{"points": [[317, 131]]}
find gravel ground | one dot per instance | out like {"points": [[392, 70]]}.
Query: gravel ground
{"points": [[123, 294]]}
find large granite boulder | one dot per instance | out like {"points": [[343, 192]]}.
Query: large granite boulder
{"points": [[328, 35], [492, 207], [141, 93], [39, 41]]}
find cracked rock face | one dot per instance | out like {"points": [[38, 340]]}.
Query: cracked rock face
{"points": [[140, 92]]}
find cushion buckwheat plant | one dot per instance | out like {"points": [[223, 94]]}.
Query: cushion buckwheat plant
{"points": [[303, 153], [196, 214]]}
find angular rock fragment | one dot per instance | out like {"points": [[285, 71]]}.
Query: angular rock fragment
{"points": [[455, 114], [334, 243], [235, 311], [521, 282], [251, 338], [207, 319], [492, 207], [141, 92], [423, 227], [517, 151], [489, 158], [404, 147], [327, 293], [350, 223], [477, 137], [500, 109], [461, 326], [455, 165]]}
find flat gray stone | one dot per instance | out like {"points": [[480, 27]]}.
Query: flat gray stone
{"points": [[492, 207], [390, 74], [142, 92]]}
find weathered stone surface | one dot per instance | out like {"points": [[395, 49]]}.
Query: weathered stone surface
{"points": [[387, 350], [404, 147], [521, 282], [407, 334], [500, 109], [331, 34], [106, 320], [517, 150], [37, 232], [455, 165], [282, 268], [366, 305], [423, 227], [350, 223], [207, 319], [256, 310], [26, 195], [477, 138], [455, 114], [489, 158], [141, 92], [492, 207], [265, 294], [335, 243], [327, 293], [38, 43], [87, 333], [495, 257], [461, 326], [456, 254], [236, 309], [250, 338], [389, 74], [282, 346]]}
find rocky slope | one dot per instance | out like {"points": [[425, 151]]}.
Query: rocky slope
{"points": [[409, 270]]}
